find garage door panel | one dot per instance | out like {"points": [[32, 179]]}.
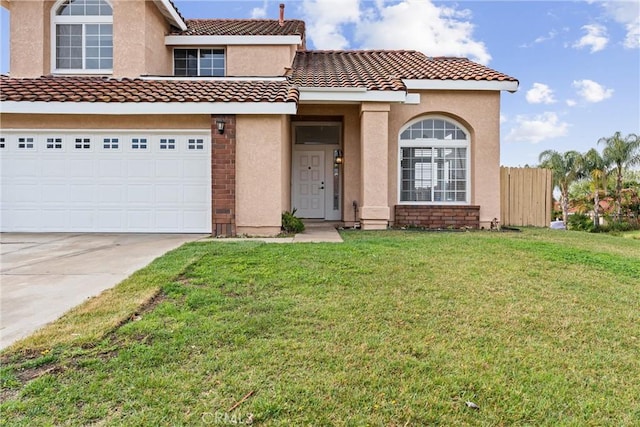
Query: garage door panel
{"points": [[194, 193], [81, 168], [195, 168], [54, 167], [140, 220], [111, 193], [140, 194], [111, 168], [54, 219], [140, 168], [54, 193], [82, 193], [98, 190], [168, 168]]}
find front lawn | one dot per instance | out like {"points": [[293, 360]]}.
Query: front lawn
{"points": [[390, 328]]}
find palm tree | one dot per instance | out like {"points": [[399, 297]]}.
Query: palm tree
{"points": [[565, 169], [620, 153], [594, 167]]}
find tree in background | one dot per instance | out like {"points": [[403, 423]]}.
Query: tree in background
{"points": [[593, 167], [565, 168], [620, 153]]}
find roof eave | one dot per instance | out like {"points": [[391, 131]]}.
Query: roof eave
{"points": [[170, 12], [220, 40], [496, 85], [137, 108], [349, 94]]}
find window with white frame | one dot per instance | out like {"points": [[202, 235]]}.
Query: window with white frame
{"points": [[83, 36], [54, 143], [434, 162], [167, 144], [138, 143], [2, 142], [195, 144], [110, 143], [82, 143], [198, 62], [26, 143]]}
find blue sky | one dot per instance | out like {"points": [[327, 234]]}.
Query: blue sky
{"points": [[578, 62]]}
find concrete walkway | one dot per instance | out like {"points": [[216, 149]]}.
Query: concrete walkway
{"points": [[315, 232]]}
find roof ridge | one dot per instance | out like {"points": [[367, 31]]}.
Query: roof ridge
{"points": [[242, 19]]}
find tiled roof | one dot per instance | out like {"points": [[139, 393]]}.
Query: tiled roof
{"points": [[382, 69], [241, 27], [99, 89]]}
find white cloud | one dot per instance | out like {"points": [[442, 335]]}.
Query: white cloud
{"points": [[626, 13], [571, 102], [596, 38], [540, 94], [591, 91], [552, 34], [325, 20], [538, 128], [434, 30], [259, 12], [503, 118]]}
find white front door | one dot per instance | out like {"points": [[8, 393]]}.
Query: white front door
{"points": [[309, 184]]}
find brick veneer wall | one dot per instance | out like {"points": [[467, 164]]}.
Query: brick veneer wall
{"points": [[223, 176], [437, 216]]}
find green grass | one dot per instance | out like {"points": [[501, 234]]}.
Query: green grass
{"points": [[389, 328]]}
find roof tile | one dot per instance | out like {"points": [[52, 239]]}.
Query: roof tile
{"points": [[382, 69], [241, 27], [100, 89]]}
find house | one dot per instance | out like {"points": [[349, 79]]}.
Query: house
{"points": [[123, 116]]}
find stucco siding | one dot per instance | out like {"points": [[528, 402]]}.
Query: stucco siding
{"points": [[258, 61], [30, 35], [479, 112], [259, 171]]}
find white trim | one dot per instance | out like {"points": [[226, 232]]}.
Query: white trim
{"points": [[103, 131], [419, 84], [178, 40], [413, 99], [350, 95], [137, 108], [55, 19], [216, 79], [171, 13], [434, 143]]}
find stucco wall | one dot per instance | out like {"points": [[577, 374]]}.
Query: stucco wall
{"points": [[158, 56], [138, 39], [479, 112], [30, 38], [258, 60], [69, 121], [259, 171]]}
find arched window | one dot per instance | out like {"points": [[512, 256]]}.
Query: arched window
{"points": [[82, 33], [434, 162]]}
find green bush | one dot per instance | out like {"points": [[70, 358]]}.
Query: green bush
{"points": [[291, 223], [579, 222]]}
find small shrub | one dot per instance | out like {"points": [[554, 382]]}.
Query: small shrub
{"points": [[291, 223], [579, 222]]}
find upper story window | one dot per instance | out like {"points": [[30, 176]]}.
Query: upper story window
{"points": [[83, 37], [434, 163], [198, 62]]}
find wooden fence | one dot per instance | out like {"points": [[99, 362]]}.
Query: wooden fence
{"points": [[526, 196]]}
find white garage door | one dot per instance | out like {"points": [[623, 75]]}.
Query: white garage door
{"points": [[105, 181]]}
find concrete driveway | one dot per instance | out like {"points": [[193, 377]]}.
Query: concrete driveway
{"points": [[43, 275]]}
